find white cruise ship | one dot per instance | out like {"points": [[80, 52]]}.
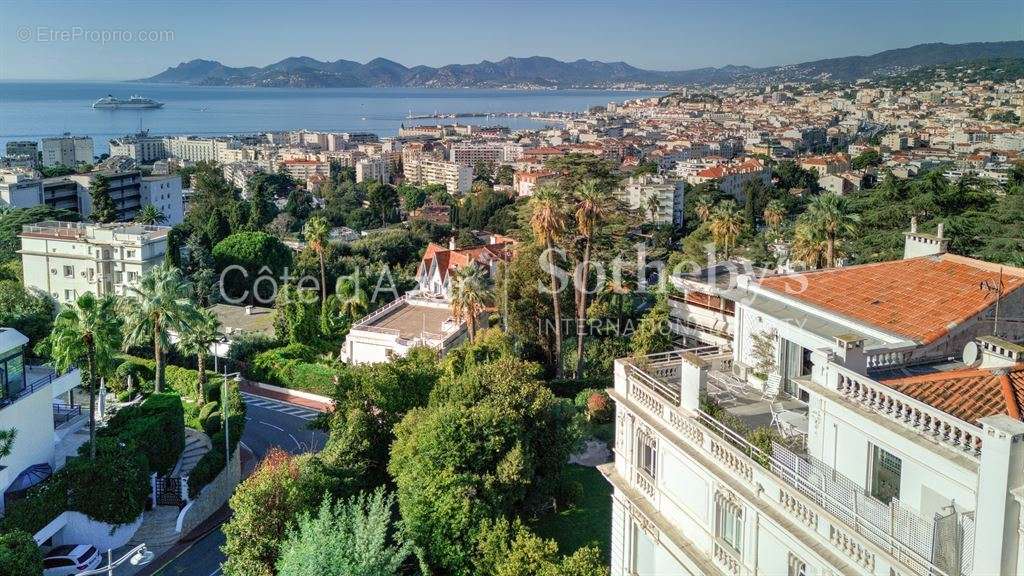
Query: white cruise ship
{"points": [[132, 103]]}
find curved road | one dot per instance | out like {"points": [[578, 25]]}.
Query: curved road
{"points": [[268, 423]]}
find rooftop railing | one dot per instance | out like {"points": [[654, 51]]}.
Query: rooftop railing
{"points": [[822, 499]]}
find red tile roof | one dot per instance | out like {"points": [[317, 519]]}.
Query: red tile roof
{"points": [[920, 299], [968, 394]]}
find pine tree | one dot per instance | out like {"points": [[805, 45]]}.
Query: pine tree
{"points": [[103, 208]]}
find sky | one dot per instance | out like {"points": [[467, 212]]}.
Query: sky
{"points": [[107, 40]]}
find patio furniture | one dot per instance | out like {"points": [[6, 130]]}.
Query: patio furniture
{"points": [[795, 422], [718, 391], [777, 410]]}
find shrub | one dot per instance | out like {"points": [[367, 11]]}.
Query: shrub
{"points": [[208, 467], [19, 554], [208, 408], [113, 488], [247, 346], [293, 366], [43, 502], [212, 423], [599, 408], [155, 428]]}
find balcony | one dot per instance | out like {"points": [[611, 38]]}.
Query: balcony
{"points": [[778, 476]]}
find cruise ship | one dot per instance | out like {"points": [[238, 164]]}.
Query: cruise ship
{"points": [[133, 103]]}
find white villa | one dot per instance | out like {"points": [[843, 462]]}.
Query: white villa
{"points": [[37, 403], [893, 394]]}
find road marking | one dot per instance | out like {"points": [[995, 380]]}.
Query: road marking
{"points": [[215, 572], [278, 428], [279, 406], [297, 445]]}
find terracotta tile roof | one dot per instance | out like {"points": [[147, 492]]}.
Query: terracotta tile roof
{"points": [[920, 299], [968, 394]]}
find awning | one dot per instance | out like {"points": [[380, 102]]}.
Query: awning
{"points": [[29, 477]]}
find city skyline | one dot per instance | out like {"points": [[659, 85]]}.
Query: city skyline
{"points": [[49, 41]]}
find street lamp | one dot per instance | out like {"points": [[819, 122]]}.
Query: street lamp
{"points": [[224, 411], [138, 556]]}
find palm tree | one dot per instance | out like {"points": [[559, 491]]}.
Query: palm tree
{"points": [[809, 244], [470, 295], [159, 305], [593, 207], [196, 342], [831, 214], [150, 215], [548, 222], [87, 332], [316, 232], [653, 207], [726, 225], [353, 302], [703, 207], [774, 213]]}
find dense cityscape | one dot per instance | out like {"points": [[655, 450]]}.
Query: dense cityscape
{"points": [[766, 321]]}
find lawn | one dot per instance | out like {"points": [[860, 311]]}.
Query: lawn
{"points": [[589, 521]]}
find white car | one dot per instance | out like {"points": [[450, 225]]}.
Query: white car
{"points": [[71, 559]]}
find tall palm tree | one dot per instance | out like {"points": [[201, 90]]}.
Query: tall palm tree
{"points": [[593, 207], [157, 306], [316, 232], [726, 225], [150, 215], [703, 208], [87, 333], [196, 342], [774, 213], [470, 296], [653, 207], [548, 222], [830, 212]]}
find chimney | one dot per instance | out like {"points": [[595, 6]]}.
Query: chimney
{"points": [[996, 354], [451, 243], [248, 310], [917, 244]]}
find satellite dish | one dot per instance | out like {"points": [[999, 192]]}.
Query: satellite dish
{"points": [[972, 355]]}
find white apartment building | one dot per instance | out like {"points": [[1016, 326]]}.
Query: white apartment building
{"points": [[239, 173], [192, 149], [404, 324], [67, 259], [165, 193], [470, 153], [67, 150], [666, 208], [20, 189], [376, 169], [141, 147], [456, 178], [38, 404], [303, 170], [864, 421]]}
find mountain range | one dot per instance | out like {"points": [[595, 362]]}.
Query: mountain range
{"points": [[539, 71]]}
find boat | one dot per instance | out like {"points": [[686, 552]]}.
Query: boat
{"points": [[133, 103]]}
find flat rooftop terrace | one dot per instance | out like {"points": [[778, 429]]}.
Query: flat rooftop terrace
{"points": [[410, 320]]}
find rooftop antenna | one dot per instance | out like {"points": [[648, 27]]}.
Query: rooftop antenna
{"points": [[996, 289]]}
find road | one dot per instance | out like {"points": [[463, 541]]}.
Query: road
{"points": [[268, 423]]}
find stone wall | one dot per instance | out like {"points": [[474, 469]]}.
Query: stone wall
{"points": [[212, 496]]}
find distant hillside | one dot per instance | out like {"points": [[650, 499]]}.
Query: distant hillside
{"points": [[538, 71]]}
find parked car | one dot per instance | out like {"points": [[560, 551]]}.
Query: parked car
{"points": [[71, 559]]}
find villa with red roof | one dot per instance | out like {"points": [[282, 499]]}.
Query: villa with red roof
{"points": [[439, 263]]}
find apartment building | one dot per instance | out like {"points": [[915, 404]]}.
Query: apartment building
{"points": [[125, 190], [67, 259], [304, 170], [659, 199], [471, 153], [865, 420], [239, 173], [38, 404], [457, 179], [22, 148], [165, 193], [141, 147], [732, 177], [376, 169], [67, 150], [19, 189]]}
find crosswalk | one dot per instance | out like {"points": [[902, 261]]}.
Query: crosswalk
{"points": [[277, 406]]}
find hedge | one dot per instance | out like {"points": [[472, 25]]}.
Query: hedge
{"points": [[211, 464], [293, 366], [112, 489], [155, 428]]}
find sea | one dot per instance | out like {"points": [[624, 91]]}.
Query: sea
{"points": [[35, 110]]}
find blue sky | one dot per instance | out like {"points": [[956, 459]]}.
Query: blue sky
{"points": [[65, 39]]}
